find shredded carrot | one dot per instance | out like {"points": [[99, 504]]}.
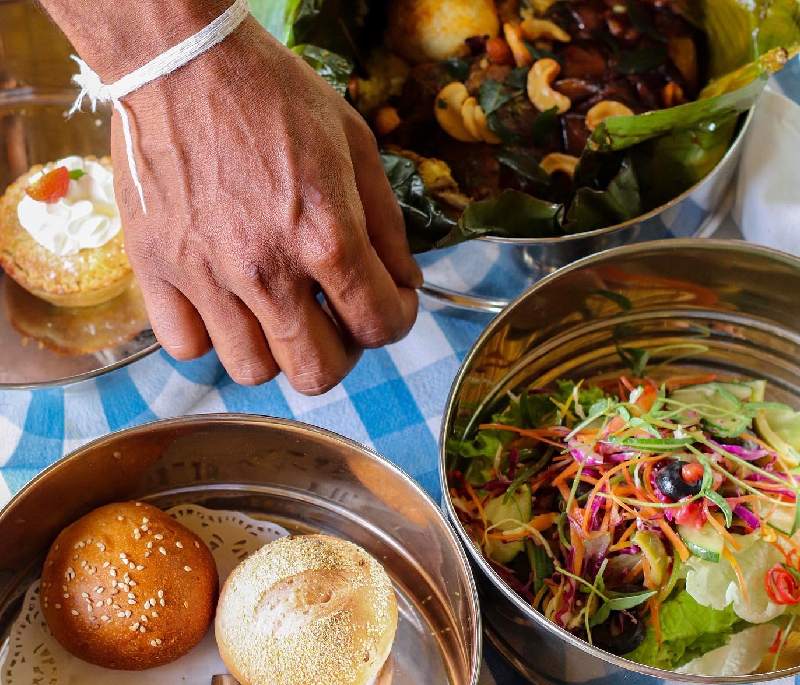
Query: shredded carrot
{"points": [[566, 473], [655, 616], [540, 434], [677, 543], [622, 543], [739, 575], [635, 570], [682, 381], [720, 528], [476, 501]]}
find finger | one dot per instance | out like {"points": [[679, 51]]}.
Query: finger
{"points": [[237, 337], [174, 320], [366, 301], [305, 341], [385, 224]]}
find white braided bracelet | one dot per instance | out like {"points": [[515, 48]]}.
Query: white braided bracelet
{"points": [[167, 62]]}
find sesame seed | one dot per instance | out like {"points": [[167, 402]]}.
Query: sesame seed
{"points": [[186, 605], [158, 536], [179, 544], [105, 564], [150, 545], [84, 594], [154, 614], [147, 554], [131, 601], [187, 568], [120, 518], [108, 601], [128, 613], [163, 551], [160, 593], [66, 595], [139, 567], [57, 606], [142, 629], [74, 612], [137, 504], [105, 617], [99, 603], [101, 547], [131, 566], [131, 595], [137, 534], [112, 572], [123, 556], [197, 544], [162, 603], [145, 520], [134, 626]]}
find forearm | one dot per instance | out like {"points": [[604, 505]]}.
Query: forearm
{"points": [[117, 36]]}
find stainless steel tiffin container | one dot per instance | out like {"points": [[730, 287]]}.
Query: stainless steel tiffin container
{"points": [[694, 305]]}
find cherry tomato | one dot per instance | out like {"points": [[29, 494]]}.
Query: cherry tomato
{"points": [[51, 187], [692, 472], [691, 515], [782, 587]]}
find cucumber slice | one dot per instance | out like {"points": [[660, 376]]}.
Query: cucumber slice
{"points": [[507, 515], [780, 427], [704, 542], [722, 396]]}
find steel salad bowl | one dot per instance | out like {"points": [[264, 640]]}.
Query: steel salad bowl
{"points": [[709, 305], [487, 273], [301, 477]]}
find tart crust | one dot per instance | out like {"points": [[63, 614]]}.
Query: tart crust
{"points": [[89, 277]]}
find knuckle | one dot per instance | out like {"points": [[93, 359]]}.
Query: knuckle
{"points": [[186, 350], [331, 251]]}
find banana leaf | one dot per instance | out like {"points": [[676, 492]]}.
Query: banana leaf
{"points": [[631, 164]]}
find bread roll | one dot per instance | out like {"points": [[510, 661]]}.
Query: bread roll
{"points": [[433, 30], [128, 587], [307, 609]]}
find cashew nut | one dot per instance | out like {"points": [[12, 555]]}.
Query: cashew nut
{"points": [[557, 161], [483, 127], [513, 35], [603, 110], [538, 29], [540, 91], [447, 111], [461, 117]]}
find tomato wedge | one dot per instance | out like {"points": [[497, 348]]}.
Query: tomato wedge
{"points": [[51, 187]]}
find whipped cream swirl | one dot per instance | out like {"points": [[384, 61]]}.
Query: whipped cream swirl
{"points": [[87, 217]]}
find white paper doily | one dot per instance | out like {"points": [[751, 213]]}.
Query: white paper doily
{"points": [[31, 656]]}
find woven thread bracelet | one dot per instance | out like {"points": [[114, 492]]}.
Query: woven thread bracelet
{"points": [[184, 52]]}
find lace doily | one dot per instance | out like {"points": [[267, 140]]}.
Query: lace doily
{"points": [[31, 656]]}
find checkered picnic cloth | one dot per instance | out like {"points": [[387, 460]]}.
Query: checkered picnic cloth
{"points": [[392, 401]]}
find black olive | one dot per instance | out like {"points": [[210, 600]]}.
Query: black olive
{"points": [[620, 634], [670, 481]]}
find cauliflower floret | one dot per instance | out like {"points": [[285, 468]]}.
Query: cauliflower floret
{"points": [[433, 30]]}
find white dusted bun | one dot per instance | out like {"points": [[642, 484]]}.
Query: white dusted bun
{"points": [[433, 30], [307, 609]]}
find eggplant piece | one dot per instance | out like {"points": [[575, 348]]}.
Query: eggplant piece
{"points": [[574, 133], [474, 166], [583, 60], [491, 72], [424, 82], [576, 89]]}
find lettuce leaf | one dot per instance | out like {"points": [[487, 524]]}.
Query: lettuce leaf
{"points": [[714, 584], [688, 630], [743, 653]]}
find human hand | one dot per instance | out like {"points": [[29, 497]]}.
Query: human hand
{"points": [[263, 187]]}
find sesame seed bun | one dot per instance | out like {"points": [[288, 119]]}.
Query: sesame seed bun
{"points": [[305, 609], [128, 587], [89, 277]]}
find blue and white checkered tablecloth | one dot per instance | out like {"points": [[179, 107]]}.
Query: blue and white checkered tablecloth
{"points": [[392, 401]]}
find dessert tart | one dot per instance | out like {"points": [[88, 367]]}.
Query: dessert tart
{"points": [[60, 233]]}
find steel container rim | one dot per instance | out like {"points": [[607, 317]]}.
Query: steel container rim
{"points": [[486, 571], [233, 418], [29, 95], [732, 150]]}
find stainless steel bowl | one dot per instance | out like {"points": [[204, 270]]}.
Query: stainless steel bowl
{"points": [[487, 273], [303, 478], [730, 306]]}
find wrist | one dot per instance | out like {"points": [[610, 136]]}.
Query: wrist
{"points": [[115, 37]]}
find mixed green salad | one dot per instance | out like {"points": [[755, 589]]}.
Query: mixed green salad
{"points": [[658, 520]]}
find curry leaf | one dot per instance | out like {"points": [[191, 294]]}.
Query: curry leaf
{"points": [[334, 68], [619, 202]]}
